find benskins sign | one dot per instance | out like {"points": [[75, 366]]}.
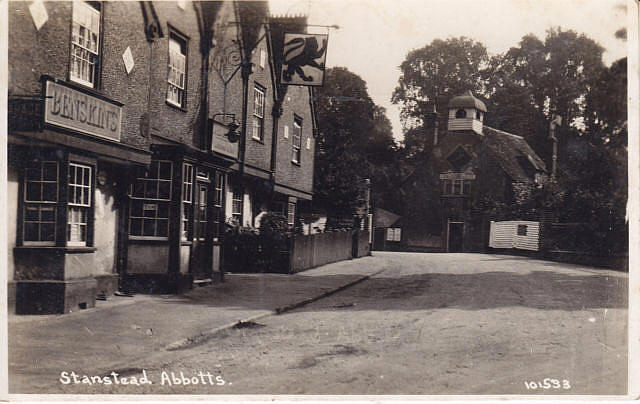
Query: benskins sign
{"points": [[82, 112]]}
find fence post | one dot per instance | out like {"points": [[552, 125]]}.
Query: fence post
{"points": [[292, 253], [546, 219]]}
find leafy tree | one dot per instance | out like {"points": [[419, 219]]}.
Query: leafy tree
{"points": [[355, 142], [432, 75], [531, 82]]}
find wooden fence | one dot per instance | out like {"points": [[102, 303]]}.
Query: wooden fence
{"points": [[249, 253], [310, 251]]}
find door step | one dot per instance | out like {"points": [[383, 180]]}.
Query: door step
{"points": [[202, 282]]}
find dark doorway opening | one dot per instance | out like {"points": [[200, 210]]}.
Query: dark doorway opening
{"points": [[456, 232]]}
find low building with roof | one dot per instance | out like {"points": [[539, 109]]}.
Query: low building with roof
{"points": [[447, 193], [387, 231]]}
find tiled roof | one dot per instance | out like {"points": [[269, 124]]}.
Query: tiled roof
{"points": [[384, 218], [512, 151]]}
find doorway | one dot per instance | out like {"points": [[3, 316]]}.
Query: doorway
{"points": [[456, 237], [202, 247]]}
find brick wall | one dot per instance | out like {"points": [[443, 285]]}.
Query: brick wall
{"points": [[178, 124], [124, 27], [298, 176], [224, 61], [258, 154], [33, 53]]}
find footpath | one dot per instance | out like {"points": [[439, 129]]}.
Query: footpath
{"points": [[122, 330]]}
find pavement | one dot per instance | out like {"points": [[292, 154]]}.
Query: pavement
{"points": [[117, 332]]}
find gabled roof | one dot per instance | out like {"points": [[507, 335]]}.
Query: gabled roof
{"points": [[512, 152], [384, 218]]}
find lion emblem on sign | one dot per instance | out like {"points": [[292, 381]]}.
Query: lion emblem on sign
{"points": [[303, 59]]}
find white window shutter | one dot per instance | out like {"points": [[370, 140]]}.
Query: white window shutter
{"points": [[286, 131], [308, 143]]}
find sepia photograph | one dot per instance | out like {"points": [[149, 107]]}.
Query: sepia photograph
{"points": [[319, 198]]}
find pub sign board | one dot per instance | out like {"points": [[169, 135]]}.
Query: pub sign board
{"points": [[303, 59], [69, 108], [220, 143]]}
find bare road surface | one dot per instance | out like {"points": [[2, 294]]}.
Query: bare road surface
{"points": [[427, 324]]}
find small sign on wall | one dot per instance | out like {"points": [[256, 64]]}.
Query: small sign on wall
{"points": [[127, 57], [38, 13]]}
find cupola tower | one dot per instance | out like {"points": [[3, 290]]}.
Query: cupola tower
{"points": [[466, 113]]}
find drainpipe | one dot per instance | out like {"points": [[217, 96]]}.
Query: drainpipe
{"points": [[277, 113], [246, 69]]}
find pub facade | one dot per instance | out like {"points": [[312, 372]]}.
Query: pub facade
{"points": [[118, 153]]}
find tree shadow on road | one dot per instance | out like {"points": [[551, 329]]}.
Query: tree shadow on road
{"points": [[545, 290], [542, 290]]}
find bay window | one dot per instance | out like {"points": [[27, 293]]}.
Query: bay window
{"points": [[47, 218]]}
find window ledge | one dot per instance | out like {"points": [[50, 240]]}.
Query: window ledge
{"points": [[148, 240], [172, 105], [70, 250], [255, 139], [295, 163]]}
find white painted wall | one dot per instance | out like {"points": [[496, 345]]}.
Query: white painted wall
{"points": [[505, 235], [11, 218], [105, 230]]}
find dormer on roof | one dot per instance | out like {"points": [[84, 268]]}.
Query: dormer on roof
{"points": [[466, 113]]}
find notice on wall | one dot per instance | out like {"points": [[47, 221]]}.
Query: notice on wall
{"points": [[38, 13], [127, 57], [73, 109]]}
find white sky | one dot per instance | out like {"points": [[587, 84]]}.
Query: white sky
{"points": [[376, 35]]}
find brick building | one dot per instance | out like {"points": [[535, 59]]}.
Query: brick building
{"points": [[121, 169], [470, 164]]}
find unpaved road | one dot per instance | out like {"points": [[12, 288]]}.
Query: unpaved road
{"points": [[429, 324]]}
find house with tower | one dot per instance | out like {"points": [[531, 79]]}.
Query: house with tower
{"points": [[471, 164]]}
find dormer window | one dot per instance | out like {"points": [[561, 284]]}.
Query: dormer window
{"points": [[461, 113]]}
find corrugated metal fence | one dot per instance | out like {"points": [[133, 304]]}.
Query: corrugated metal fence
{"points": [[520, 234]]}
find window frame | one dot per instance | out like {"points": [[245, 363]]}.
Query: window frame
{"points": [[217, 215], [235, 192], [183, 42], [186, 227], [63, 204], [27, 203], [291, 213], [93, 7], [296, 140], [145, 200], [82, 206], [394, 234], [522, 230], [257, 129], [448, 187]]}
